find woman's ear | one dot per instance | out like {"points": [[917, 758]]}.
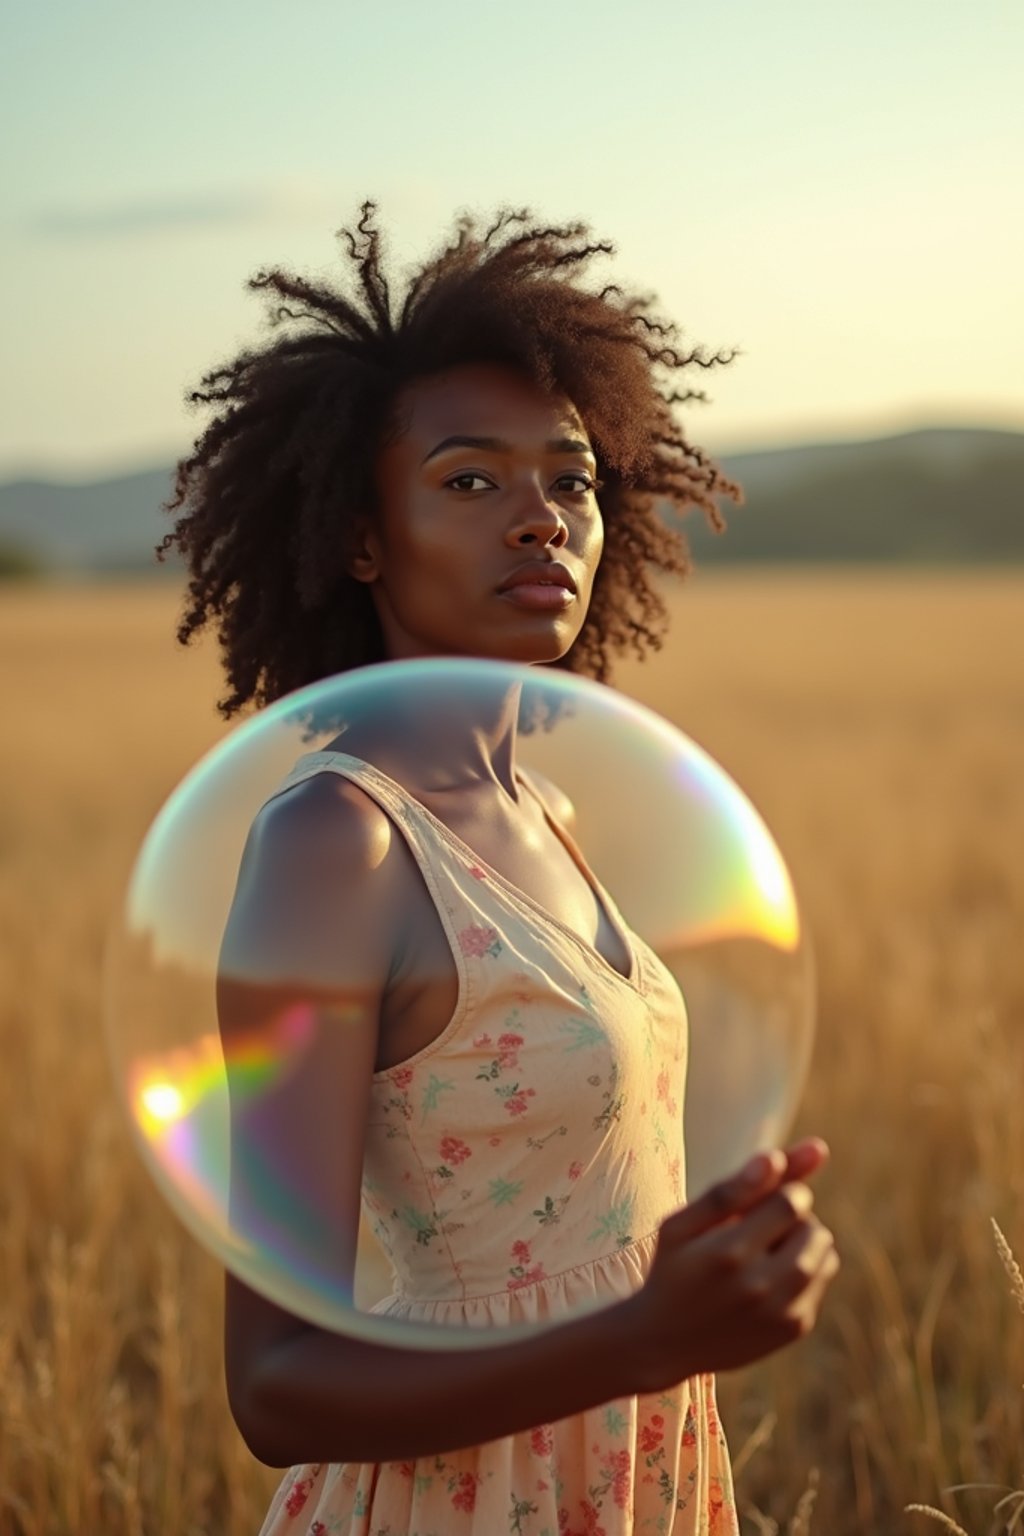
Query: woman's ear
{"points": [[363, 561]]}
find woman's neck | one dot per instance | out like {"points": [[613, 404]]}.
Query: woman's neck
{"points": [[444, 742]]}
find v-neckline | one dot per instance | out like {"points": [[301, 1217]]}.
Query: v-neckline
{"points": [[632, 979]]}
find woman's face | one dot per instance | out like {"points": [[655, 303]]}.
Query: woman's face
{"points": [[456, 519]]}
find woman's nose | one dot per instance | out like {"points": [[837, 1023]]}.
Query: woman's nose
{"points": [[538, 520]]}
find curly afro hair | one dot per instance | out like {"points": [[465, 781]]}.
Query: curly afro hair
{"points": [[274, 485]]}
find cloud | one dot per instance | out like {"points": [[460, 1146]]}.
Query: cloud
{"points": [[288, 201]]}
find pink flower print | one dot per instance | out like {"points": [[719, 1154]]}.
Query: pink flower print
{"points": [[477, 941], [690, 1429], [575, 1169], [506, 1056], [454, 1150], [298, 1496], [477, 872], [464, 1496], [616, 1467], [520, 1275], [542, 1440], [663, 1093], [529, 1277], [402, 1077], [495, 1141], [516, 1101], [590, 1526], [508, 1050], [318, 1528], [652, 1434], [406, 1468]]}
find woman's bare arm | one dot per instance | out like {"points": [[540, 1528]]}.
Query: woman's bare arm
{"points": [[308, 942], [317, 1396]]}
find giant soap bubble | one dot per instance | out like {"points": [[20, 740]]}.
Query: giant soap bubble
{"points": [[414, 976]]}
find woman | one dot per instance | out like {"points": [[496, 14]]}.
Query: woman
{"points": [[477, 478]]}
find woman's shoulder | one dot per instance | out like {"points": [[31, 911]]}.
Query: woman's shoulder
{"points": [[322, 817], [316, 864]]}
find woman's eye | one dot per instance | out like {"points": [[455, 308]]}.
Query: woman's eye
{"points": [[457, 478], [465, 481], [585, 481]]}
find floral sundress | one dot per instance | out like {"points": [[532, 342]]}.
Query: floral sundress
{"points": [[517, 1167]]}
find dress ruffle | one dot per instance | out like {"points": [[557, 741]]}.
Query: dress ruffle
{"points": [[580, 1288]]}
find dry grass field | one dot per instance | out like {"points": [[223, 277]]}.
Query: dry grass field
{"points": [[877, 720]]}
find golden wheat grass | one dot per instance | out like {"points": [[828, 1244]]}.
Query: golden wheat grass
{"points": [[877, 721]]}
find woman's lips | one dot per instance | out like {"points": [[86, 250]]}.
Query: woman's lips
{"points": [[539, 595]]}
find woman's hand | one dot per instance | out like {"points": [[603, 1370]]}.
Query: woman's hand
{"points": [[738, 1273]]}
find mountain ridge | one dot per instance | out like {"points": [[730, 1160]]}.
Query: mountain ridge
{"points": [[941, 494]]}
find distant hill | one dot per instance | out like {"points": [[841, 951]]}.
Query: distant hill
{"points": [[939, 496], [933, 496]]}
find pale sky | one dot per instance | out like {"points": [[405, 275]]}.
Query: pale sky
{"points": [[834, 189]]}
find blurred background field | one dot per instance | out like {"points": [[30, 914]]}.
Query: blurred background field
{"points": [[876, 718]]}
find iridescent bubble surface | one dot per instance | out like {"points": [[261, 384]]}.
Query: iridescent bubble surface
{"points": [[245, 1031]]}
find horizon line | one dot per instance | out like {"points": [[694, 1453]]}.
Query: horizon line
{"points": [[52, 474]]}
